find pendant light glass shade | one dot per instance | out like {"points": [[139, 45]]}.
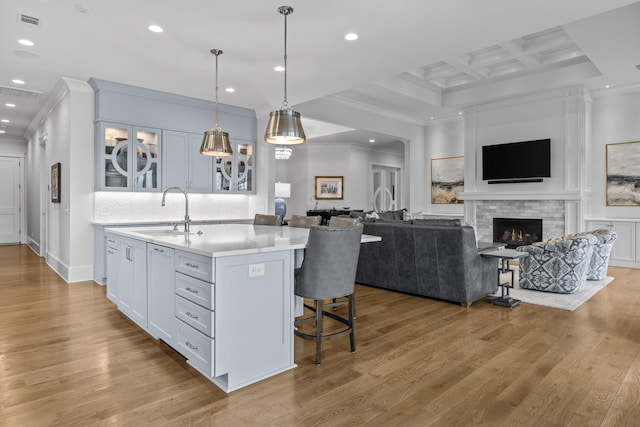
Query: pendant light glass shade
{"points": [[283, 153], [284, 125], [215, 141]]}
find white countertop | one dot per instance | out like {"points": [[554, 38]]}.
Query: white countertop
{"points": [[159, 222], [218, 240]]}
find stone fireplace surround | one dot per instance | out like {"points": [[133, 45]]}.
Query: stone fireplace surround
{"points": [[552, 213]]}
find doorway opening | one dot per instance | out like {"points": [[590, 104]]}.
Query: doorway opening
{"points": [[386, 188]]}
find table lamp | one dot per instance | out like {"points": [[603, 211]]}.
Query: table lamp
{"points": [[282, 191]]}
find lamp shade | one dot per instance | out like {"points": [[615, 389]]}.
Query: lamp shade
{"points": [[283, 190], [285, 128], [216, 143]]}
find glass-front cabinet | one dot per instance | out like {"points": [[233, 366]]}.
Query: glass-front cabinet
{"points": [[129, 158], [236, 173]]}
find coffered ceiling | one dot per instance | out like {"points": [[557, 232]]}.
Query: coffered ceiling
{"points": [[415, 61]]}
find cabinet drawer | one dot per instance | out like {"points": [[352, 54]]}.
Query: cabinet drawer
{"points": [[196, 347], [194, 290], [196, 316], [112, 242], [194, 265]]}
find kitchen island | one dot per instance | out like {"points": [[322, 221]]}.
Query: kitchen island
{"points": [[220, 295]]}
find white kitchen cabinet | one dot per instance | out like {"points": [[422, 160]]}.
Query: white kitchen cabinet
{"points": [[127, 157], [624, 249], [183, 165], [113, 267], [132, 284], [161, 293]]}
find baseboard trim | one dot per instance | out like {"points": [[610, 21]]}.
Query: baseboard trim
{"points": [[33, 245]]}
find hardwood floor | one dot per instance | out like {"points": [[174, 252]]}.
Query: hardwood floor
{"points": [[69, 357]]}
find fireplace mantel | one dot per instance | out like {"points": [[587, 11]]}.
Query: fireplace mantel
{"points": [[523, 195]]}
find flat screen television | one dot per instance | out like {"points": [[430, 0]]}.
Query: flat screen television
{"points": [[517, 160]]}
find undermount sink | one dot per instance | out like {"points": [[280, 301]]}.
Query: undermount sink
{"points": [[168, 232]]}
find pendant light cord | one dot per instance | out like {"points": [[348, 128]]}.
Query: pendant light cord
{"points": [[218, 52], [285, 11]]}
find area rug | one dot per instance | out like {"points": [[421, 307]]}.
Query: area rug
{"points": [[549, 299]]}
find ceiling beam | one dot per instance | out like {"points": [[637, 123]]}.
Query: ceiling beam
{"points": [[517, 52]]}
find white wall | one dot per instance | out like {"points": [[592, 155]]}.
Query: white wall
{"points": [[67, 120], [616, 118], [351, 161], [545, 115], [332, 111], [444, 139], [11, 144], [36, 186]]}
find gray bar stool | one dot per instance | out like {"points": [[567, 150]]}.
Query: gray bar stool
{"points": [[260, 219], [304, 221], [327, 272]]}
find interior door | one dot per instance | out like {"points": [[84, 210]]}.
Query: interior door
{"points": [[386, 188], [9, 200]]}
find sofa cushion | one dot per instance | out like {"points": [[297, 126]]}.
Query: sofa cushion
{"points": [[437, 221]]}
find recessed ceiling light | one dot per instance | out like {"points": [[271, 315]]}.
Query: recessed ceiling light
{"points": [[431, 117], [1, 131], [82, 8], [25, 42], [10, 105], [607, 86], [155, 28], [460, 112], [230, 89], [278, 68], [351, 36], [18, 81], [5, 121], [372, 140]]}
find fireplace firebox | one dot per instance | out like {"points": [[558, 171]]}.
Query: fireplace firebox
{"points": [[514, 232]]}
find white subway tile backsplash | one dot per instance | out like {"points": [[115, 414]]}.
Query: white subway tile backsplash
{"points": [[121, 206]]}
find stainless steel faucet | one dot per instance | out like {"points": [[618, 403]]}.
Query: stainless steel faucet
{"points": [[187, 220]]}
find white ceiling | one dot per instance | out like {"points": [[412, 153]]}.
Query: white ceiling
{"points": [[414, 59]]}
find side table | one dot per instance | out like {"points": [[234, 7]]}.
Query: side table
{"points": [[505, 256]]}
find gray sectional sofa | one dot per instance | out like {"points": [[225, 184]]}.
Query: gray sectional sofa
{"points": [[431, 258]]}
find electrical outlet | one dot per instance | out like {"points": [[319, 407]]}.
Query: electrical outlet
{"points": [[256, 270]]}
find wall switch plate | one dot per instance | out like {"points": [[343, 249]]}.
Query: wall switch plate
{"points": [[256, 270]]}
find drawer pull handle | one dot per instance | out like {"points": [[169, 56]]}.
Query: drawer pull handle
{"points": [[188, 264], [191, 346], [193, 291], [159, 250], [193, 316]]}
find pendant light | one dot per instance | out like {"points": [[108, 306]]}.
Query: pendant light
{"points": [[215, 141], [284, 125], [283, 153]]}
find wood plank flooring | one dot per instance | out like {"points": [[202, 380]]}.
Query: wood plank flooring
{"points": [[68, 357]]}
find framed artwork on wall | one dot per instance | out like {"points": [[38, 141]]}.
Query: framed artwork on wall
{"points": [[55, 183], [623, 174], [447, 180], [329, 187]]}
